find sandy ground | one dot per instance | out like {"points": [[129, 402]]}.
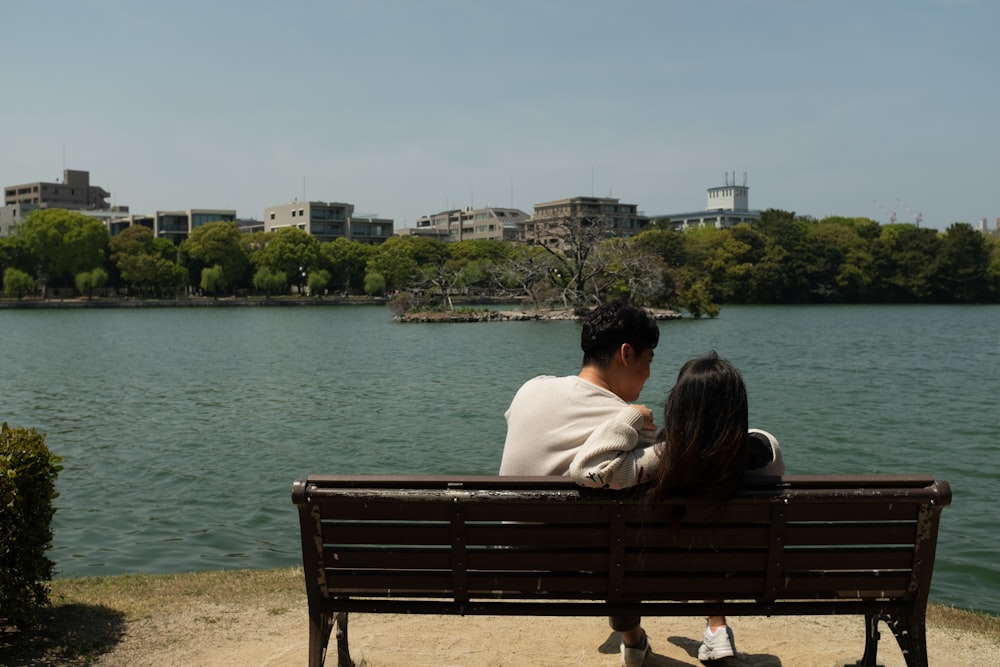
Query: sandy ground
{"points": [[210, 635]]}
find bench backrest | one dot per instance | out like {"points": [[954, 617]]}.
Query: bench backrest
{"points": [[460, 539]]}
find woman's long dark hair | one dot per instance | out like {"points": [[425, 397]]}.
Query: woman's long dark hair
{"points": [[705, 432]]}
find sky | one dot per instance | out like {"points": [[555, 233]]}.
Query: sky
{"points": [[411, 107]]}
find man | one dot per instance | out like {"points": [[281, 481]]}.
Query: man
{"points": [[551, 417]]}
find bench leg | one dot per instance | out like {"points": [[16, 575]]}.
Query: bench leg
{"points": [[343, 650], [910, 633], [871, 641], [320, 627]]}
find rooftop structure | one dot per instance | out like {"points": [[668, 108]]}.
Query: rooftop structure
{"points": [[469, 224], [75, 193], [328, 221], [727, 206]]}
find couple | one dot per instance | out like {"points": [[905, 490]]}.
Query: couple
{"points": [[583, 426]]}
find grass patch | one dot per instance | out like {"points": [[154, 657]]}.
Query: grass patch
{"points": [[89, 615], [964, 620]]}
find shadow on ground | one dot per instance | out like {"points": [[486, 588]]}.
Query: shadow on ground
{"points": [[71, 635]]}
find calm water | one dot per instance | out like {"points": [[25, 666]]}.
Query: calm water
{"points": [[182, 429]]}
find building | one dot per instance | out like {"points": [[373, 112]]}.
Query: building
{"points": [[606, 214], [328, 221], [728, 205], [173, 225], [469, 224], [75, 193], [12, 215]]}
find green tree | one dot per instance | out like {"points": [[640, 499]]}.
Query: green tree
{"points": [[147, 264], [905, 258], [374, 283], [399, 260], [217, 244], [293, 252], [14, 253], [962, 265], [63, 243], [18, 284], [88, 281], [269, 282], [838, 262], [213, 280], [318, 281], [345, 260]]}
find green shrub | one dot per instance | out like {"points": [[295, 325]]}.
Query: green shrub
{"points": [[28, 473]]}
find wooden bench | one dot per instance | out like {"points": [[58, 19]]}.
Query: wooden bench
{"points": [[796, 545]]}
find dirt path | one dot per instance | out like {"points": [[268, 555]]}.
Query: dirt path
{"points": [[275, 634]]}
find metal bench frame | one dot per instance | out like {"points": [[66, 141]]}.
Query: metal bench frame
{"points": [[541, 546]]}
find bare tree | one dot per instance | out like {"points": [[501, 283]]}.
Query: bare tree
{"points": [[572, 240], [624, 267]]}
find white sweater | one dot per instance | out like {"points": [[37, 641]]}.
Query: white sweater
{"points": [[553, 419]]}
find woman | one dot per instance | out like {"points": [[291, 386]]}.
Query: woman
{"points": [[704, 450]]}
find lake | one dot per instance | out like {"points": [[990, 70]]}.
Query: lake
{"points": [[182, 429]]}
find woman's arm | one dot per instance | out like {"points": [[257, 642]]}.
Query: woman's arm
{"points": [[611, 459]]}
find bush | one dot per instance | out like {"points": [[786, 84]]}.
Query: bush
{"points": [[17, 283], [28, 473]]}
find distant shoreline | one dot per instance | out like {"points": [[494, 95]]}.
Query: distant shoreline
{"points": [[467, 311], [188, 302]]}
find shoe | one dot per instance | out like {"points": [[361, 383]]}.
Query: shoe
{"points": [[717, 645], [635, 657]]}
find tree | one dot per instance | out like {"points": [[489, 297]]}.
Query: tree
{"points": [[345, 260], [318, 280], [374, 283], [572, 240], [400, 259], [269, 282], [213, 280], [529, 268], [87, 281], [217, 244], [293, 252], [63, 243], [962, 265], [14, 253], [905, 257], [17, 283], [147, 264], [626, 270]]}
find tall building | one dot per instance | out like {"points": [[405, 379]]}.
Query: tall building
{"points": [[728, 205], [469, 224], [75, 193], [604, 215], [328, 221]]}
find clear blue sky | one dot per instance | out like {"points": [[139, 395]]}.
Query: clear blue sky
{"points": [[409, 107]]}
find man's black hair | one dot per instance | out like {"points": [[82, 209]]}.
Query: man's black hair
{"points": [[612, 324]]}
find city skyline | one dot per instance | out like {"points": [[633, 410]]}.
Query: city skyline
{"points": [[407, 109]]}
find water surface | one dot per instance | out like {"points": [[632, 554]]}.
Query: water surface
{"points": [[183, 429]]}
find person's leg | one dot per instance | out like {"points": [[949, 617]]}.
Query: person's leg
{"points": [[719, 641], [635, 645]]}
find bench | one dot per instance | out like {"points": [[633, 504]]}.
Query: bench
{"points": [[542, 546]]}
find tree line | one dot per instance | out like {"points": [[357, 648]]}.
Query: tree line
{"points": [[782, 258]]}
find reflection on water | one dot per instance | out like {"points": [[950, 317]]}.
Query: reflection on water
{"points": [[182, 429]]}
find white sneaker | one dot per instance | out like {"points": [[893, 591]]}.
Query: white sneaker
{"points": [[635, 657], [718, 644]]}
